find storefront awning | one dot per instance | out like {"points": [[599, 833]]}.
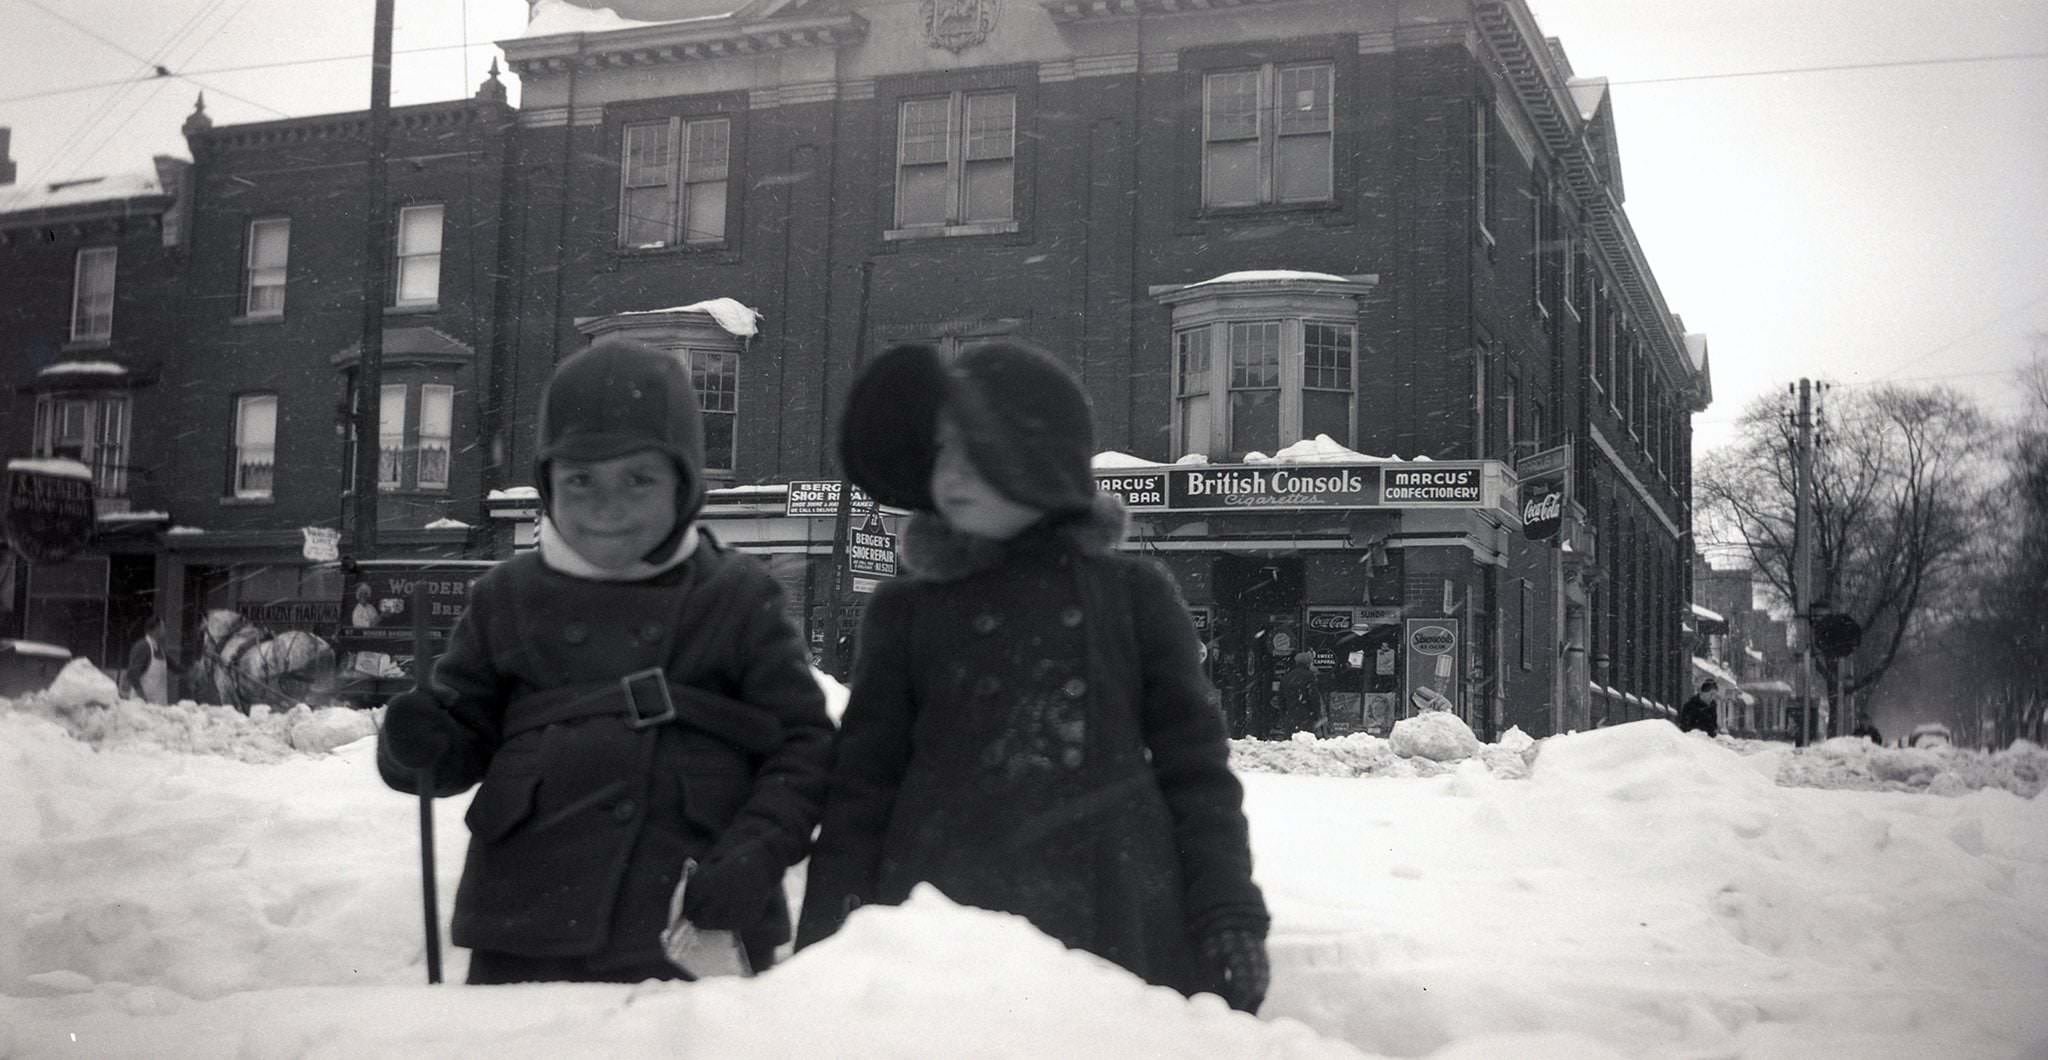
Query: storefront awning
{"points": [[1723, 675]]}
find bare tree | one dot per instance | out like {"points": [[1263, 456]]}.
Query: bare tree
{"points": [[1899, 474]]}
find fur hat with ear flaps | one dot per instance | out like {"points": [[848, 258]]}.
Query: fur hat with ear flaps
{"points": [[1022, 414], [617, 396]]}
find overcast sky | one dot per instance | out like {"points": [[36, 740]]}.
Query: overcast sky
{"points": [[1858, 225]]}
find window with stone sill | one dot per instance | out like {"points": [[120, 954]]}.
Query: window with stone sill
{"points": [[675, 178], [418, 268], [92, 295], [263, 267], [91, 429], [1268, 135], [956, 160], [255, 453]]}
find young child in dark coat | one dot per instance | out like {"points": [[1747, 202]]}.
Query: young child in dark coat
{"points": [[595, 791], [1029, 729]]}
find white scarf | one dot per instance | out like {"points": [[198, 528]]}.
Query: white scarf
{"points": [[556, 553]]}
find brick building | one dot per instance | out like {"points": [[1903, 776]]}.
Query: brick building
{"points": [[1384, 242]]}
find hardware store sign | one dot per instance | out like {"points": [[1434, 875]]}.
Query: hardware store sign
{"points": [[1298, 486]]}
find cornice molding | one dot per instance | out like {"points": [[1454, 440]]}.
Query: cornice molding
{"points": [[1073, 11], [697, 40]]}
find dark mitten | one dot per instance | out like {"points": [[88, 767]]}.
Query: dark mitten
{"points": [[1237, 961], [732, 887], [417, 733]]}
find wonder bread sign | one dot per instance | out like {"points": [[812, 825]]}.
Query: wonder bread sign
{"points": [[1245, 487]]}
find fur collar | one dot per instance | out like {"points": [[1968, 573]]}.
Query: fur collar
{"points": [[935, 552]]}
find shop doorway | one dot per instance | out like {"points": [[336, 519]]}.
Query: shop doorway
{"points": [[1258, 620]]}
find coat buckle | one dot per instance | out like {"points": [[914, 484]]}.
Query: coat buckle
{"points": [[647, 700]]}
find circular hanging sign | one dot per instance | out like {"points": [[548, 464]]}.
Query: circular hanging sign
{"points": [[48, 513]]}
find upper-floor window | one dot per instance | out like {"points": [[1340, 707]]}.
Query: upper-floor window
{"points": [[956, 159], [92, 295], [90, 430], [419, 255], [255, 456], [269, 243], [1267, 135], [415, 435], [1280, 380], [673, 184], [1482, 169]]}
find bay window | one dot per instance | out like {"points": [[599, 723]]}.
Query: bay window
{"points": [[91, 430], [1261, 360]]}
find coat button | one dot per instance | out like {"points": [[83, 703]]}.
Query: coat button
{"points": [[986, 623], [1075, 688], [1071, 617], [624, 810], [575, 633], [987, 686]]}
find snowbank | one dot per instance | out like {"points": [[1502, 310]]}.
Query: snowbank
{"points": [[1637, 892]]}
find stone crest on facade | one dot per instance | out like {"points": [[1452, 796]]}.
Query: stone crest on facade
{"points": [[957, 25]]}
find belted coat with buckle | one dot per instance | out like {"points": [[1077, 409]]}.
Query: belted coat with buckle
{"points": [[580, 829], [1029, 730]]}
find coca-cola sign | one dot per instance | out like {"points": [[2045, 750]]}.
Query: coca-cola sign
{"points": [[1544, 481]]}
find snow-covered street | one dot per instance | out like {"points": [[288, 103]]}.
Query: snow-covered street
{"points": [[182, 881]]}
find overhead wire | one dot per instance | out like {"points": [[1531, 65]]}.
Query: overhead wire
{"points": [[84, 128]]}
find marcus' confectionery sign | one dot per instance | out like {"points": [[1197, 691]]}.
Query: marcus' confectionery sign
{"points": [[49, 508], [1234, 487]]}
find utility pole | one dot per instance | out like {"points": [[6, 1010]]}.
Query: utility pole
{"points": [[1802, 560], [842, 521], [370, 365]]}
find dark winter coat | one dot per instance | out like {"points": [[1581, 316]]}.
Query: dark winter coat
{"points": [[1697, 713], [1301, 700], [580, 829], [1030, 731]]}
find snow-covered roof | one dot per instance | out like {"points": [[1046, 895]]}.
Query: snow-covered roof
{"points": [[445, 523], [760, 489], [735, 317], [183, 531], [551, 18], [106, 188], [1271, 275], [83, 368], [515, 493], [51, 466], [135, 517], [1111, 460], [1322, 449], [1711, 616]]}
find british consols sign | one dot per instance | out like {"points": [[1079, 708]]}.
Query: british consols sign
{"points": [[49, 511]]}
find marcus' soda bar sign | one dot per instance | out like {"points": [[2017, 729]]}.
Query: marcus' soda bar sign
{"points": [[1245, 487], [49, 512]]}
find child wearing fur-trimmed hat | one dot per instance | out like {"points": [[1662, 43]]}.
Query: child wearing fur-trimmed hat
{"points": [[631, 697], [1029, 729]]}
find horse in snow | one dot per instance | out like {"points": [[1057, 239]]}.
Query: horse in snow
{"points": [[242, 664]]}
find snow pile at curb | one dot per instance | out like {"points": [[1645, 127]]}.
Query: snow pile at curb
{"points": [[85, 703], [1859, 765], [1437, 735], [1424, 746]]}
